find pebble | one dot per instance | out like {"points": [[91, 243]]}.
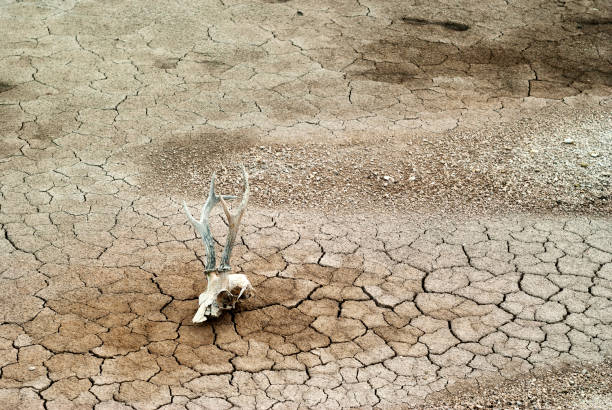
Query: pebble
{"points": [[32, 368], [594, 154], [568, 141]]}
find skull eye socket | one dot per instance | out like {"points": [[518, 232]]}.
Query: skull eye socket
{"points": [[224, 298]]}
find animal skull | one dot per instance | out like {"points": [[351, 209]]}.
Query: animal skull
{"points": [[223, 289]]}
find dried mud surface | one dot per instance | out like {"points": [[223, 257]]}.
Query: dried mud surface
{"points": [[430, 217], [352, 312]]}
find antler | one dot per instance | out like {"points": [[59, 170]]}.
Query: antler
{"points": [[203, 226], [224, 290], [233, 220]]}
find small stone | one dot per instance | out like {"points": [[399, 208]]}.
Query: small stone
{"points": [[583, 164], [412, 178], [568, 141], [594, 154], [23, 340], [31, 368], [387, 178]]}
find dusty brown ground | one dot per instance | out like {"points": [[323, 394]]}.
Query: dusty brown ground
{"points": [[430, 218]]}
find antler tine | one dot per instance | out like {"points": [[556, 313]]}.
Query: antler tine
{"points": [[203, 226], [233, 220]]}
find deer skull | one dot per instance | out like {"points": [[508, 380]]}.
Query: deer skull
{"points": [[223, 289]]}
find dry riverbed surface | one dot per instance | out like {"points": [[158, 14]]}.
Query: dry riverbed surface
{"points": [[429, 222]]}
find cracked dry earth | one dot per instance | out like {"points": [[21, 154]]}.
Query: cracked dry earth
{"points": [[352, 117], [348, 312]]}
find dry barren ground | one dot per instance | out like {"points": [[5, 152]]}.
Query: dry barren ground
{"points": [[430, 216]]}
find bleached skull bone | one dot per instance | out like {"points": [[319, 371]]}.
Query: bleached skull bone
{"points": [[223, 289], [221, 294]]}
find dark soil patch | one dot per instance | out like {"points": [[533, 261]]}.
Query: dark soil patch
{"points": [[594, 22], [510, 62], [166, 64], [451, 25], [5, 86], [188, 161]]}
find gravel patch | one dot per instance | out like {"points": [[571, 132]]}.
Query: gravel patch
{"points": [[559, 162], [568, 387]]}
